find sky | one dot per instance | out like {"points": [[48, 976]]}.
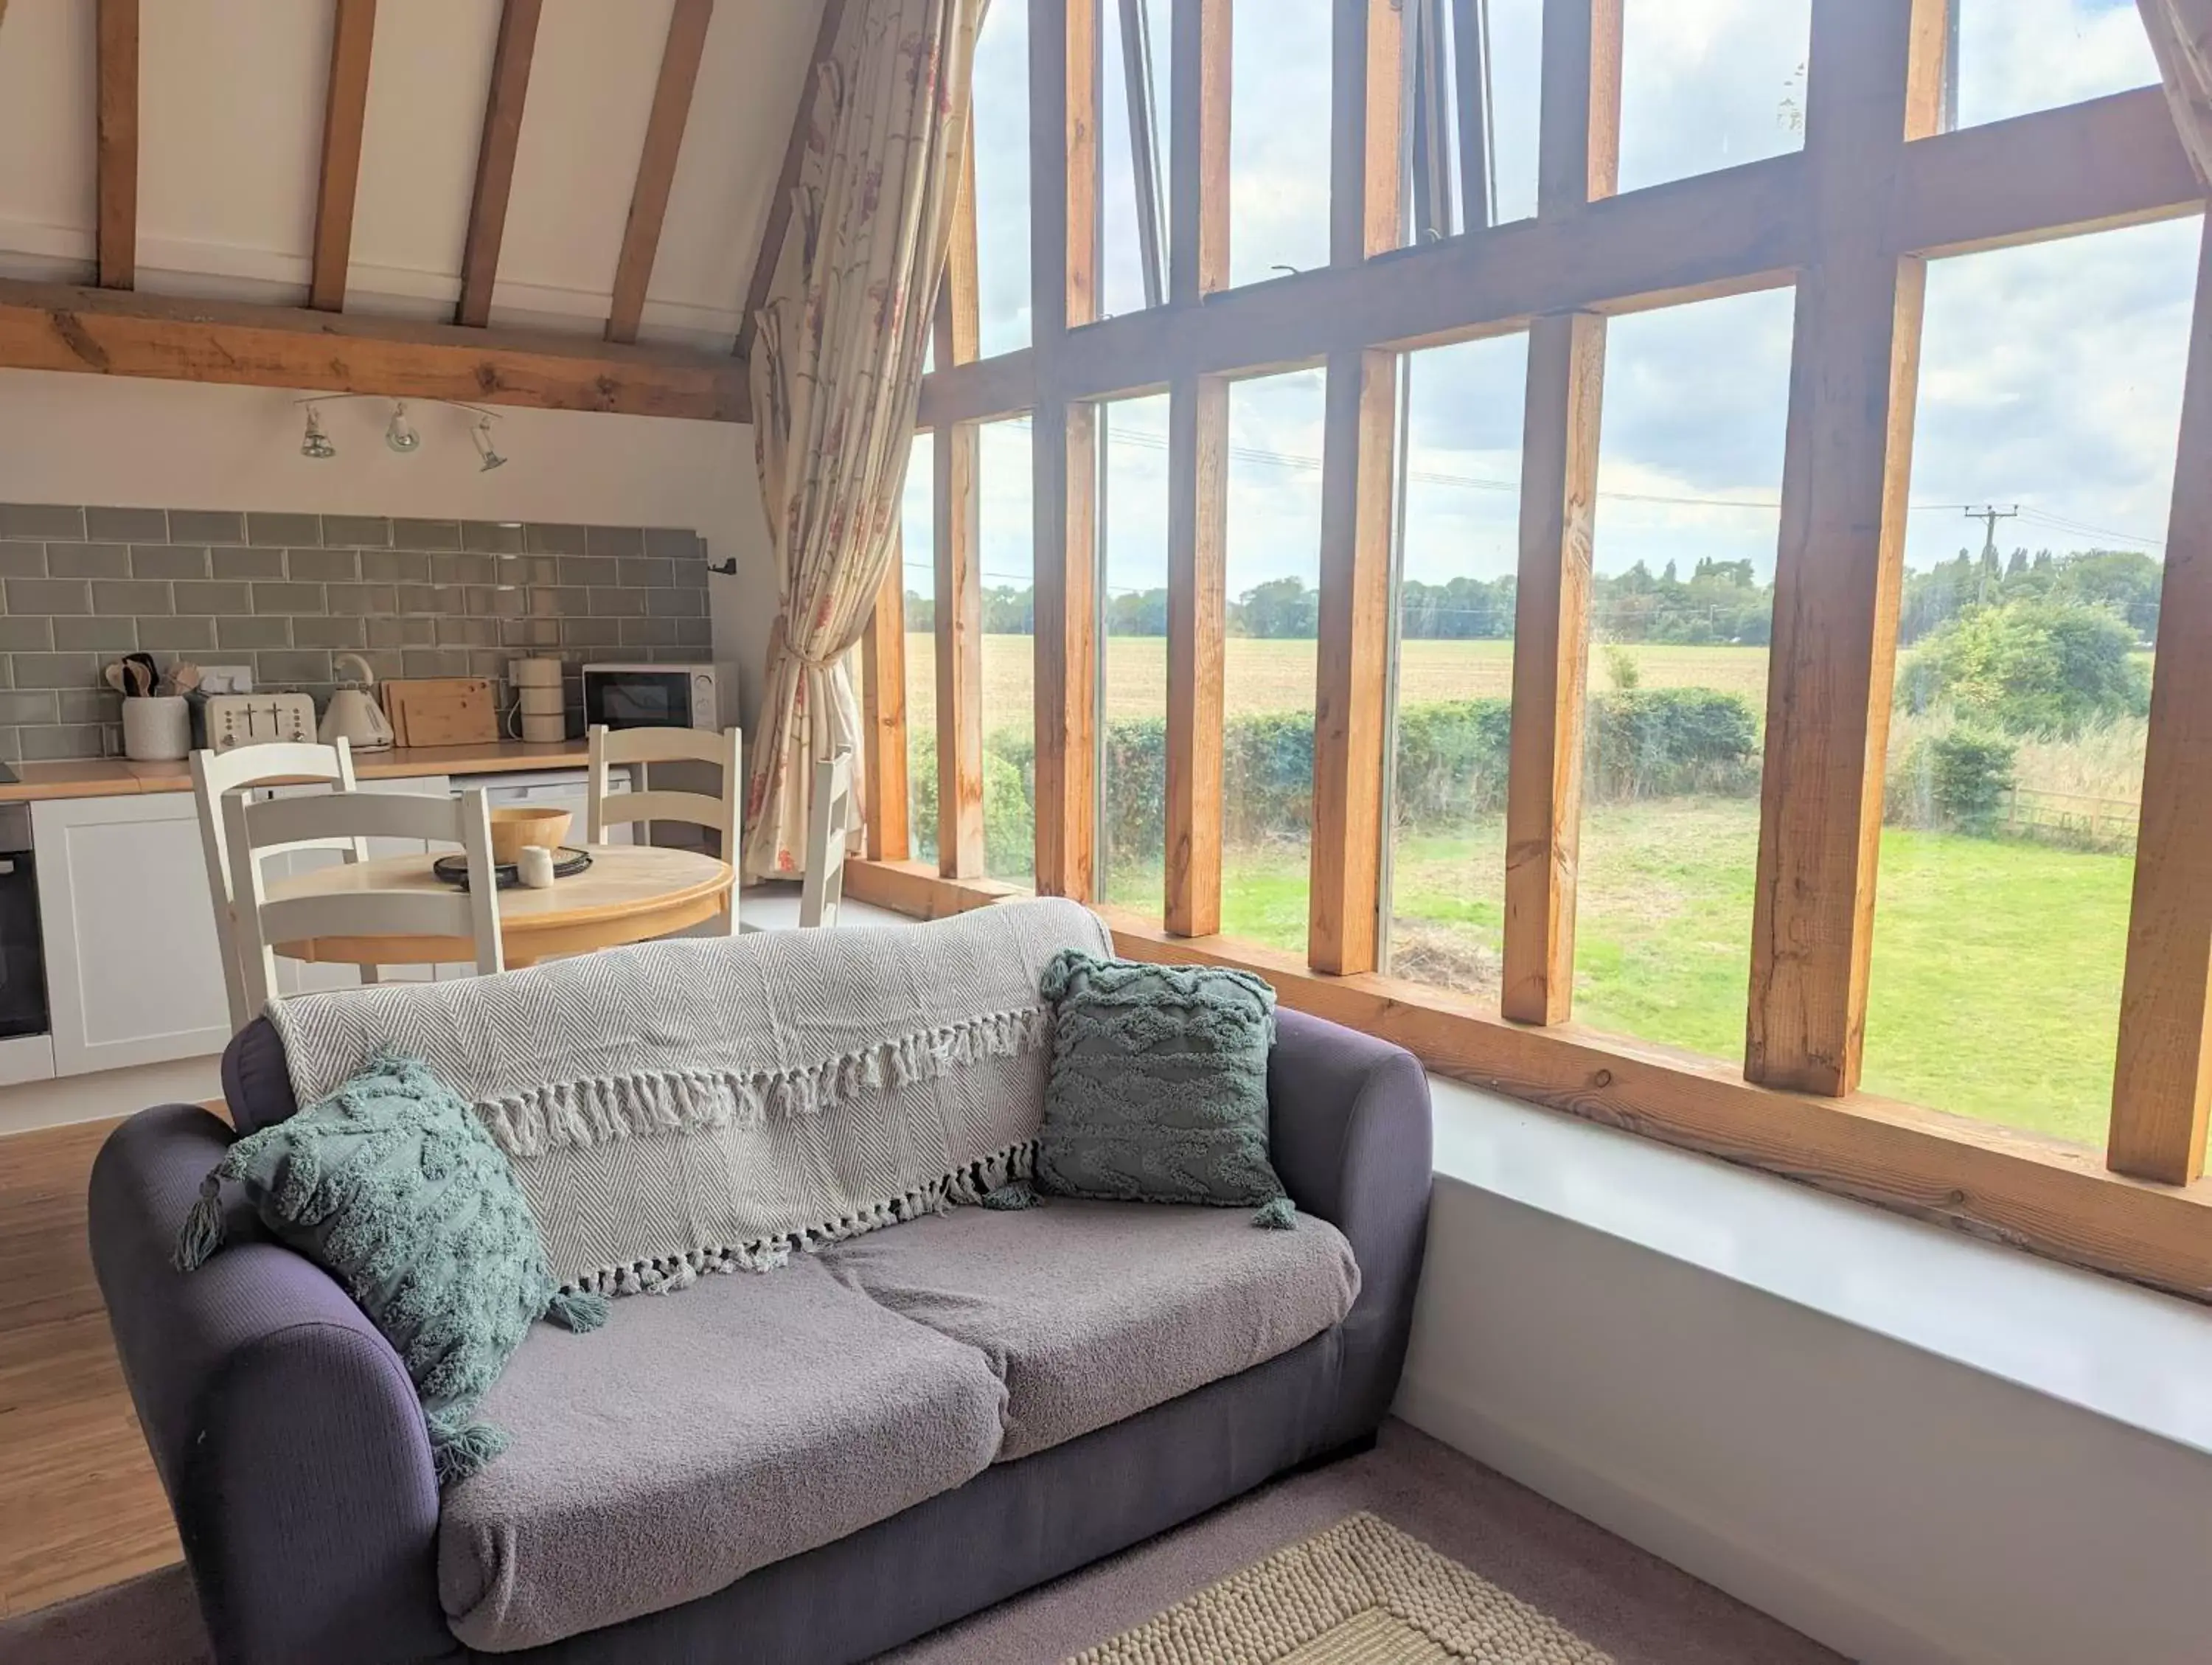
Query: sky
{"points": [[2050, 375]]}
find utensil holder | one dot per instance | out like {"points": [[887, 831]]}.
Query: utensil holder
{"points": [[157, 728]]}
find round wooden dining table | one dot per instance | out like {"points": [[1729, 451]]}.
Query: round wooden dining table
{"points": [[630, 893]]}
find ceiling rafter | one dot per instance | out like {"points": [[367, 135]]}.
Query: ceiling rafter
{"points": [[787, 180], [503, 132], [345, 111], [55, 326], [116, 212], [2181, 39], [656, 163]]}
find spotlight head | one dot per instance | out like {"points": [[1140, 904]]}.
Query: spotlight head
{"points": [[482, 435], [315, 443], [400, 432]]}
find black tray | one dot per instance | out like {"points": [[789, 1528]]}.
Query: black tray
{"points": [[454, 869]]}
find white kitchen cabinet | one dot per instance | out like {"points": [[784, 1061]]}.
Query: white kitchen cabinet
{"points": [[133, 972]]}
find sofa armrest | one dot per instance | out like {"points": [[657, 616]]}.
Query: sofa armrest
{"points": [[1350, 1133], [284, 1427]]}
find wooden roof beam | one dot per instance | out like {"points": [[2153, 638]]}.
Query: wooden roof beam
{"points": [[656, 163], [2181, 39], [345, 111], [787, 179], [54, 326], [117, 211], [503, 132]]}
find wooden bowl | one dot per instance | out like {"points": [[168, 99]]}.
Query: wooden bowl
{"points": [[512, 829]]}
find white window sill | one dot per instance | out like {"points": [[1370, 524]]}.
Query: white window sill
{"points": [[2138, 1357]]}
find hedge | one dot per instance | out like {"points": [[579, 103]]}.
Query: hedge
{"points": [[1451, 767]]}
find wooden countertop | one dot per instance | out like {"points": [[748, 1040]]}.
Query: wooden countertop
{"points": [[116, 777]]}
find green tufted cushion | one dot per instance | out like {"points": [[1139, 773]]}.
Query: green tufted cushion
{"points": [[393, 1186], [1158, 1088]]}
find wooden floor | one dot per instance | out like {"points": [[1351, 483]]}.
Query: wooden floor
{"points": [[79, 1504]]}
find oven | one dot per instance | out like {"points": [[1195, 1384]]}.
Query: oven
{"points": [[23, 951], [651, 696]]}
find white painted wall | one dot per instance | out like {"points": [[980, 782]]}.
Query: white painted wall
{"points": [[112, 440], [1894, 1504]]}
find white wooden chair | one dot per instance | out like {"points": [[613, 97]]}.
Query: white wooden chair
{"points": [[613, 747], [217, 773], [829, 831], [252, 831]]}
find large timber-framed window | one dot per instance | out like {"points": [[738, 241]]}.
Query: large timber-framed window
{"points": [[1521, 669]]}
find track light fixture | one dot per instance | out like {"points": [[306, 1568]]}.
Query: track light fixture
{"points": [[316, 443], [481, 434], [400, 432]]}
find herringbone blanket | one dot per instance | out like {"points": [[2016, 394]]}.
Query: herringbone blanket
{"points": [[702, 1105]]}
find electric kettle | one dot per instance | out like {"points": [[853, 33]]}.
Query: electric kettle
{"points": [[353, 715]]}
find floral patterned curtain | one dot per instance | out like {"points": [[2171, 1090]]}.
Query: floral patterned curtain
{"points": [[2181, 38], [836, 371]]}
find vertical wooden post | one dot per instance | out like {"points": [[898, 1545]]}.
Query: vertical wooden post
{"points": [[1198, 480], [117, 210], [2162, 1079], [1358, 435], [883, 683], [1064, 279], [956, 537], [1873, 81], [1578, 163]]}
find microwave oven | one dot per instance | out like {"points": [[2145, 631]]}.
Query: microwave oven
{"points": [[651, 696]]}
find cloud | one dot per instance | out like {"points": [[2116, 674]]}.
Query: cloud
{"points": [[2050, 375]]}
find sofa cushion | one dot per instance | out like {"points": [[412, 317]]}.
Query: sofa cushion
{"points": [[699, 1437], [1093, 1311]]}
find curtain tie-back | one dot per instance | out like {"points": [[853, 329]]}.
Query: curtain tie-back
{"points": [[782, 640]]}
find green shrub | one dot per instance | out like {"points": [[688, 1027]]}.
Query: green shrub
{"points": [[1658, 741], [2037, 666], [1967, 775]]}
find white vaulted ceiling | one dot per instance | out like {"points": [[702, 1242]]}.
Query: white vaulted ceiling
{"points": [[231, 96]]}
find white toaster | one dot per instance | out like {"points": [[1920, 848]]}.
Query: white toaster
{"points": [[245, 719]]}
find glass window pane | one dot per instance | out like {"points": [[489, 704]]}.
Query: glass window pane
{"points": [[1002, 178], [2051, 382], [1273, 569], [1122, 256], [1516, 58], [917, 536], [1688, 513], [1006, 488], [1133, 514], [1459, 551], [1278, 105], [2015, 56], [1709, 85]]}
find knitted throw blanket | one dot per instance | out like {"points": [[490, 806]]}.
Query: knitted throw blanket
{"points": [[705, 1105]]}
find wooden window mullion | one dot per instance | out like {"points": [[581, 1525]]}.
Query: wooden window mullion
{"points": [[1064, 279], [2162, 1080], [956, 539], [1197, 482], [1578, 163], [1873, 81], [882, 715], [1359, 434]]}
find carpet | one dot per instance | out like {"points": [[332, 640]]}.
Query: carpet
{"points": [[1362, 1593]]}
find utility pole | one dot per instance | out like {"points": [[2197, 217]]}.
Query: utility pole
{"points": [[1989, 516]]}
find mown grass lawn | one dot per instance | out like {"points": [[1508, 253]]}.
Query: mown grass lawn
{"points": [[1996, 983]]}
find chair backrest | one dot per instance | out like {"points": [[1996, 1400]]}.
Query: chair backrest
{"points": [[252, 830], [828, 830], [217, 772], [613, 747]]}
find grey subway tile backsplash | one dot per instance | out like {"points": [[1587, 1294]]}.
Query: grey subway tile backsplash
{"points": [[282, 593], [128, 525]]}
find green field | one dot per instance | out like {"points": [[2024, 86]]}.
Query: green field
{"points": [[1996, 984], [1267, 675], [1995, 989]]}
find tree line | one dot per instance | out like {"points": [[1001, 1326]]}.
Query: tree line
{"points": [[1719, 603]]}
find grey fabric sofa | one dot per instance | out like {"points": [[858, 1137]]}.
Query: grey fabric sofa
{"points": [[289, 1440]]}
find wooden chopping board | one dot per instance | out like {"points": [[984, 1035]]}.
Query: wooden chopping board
{"points": [[441, 711]]}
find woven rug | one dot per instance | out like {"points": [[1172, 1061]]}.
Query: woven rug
{"points": [[1362, 1593]]}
